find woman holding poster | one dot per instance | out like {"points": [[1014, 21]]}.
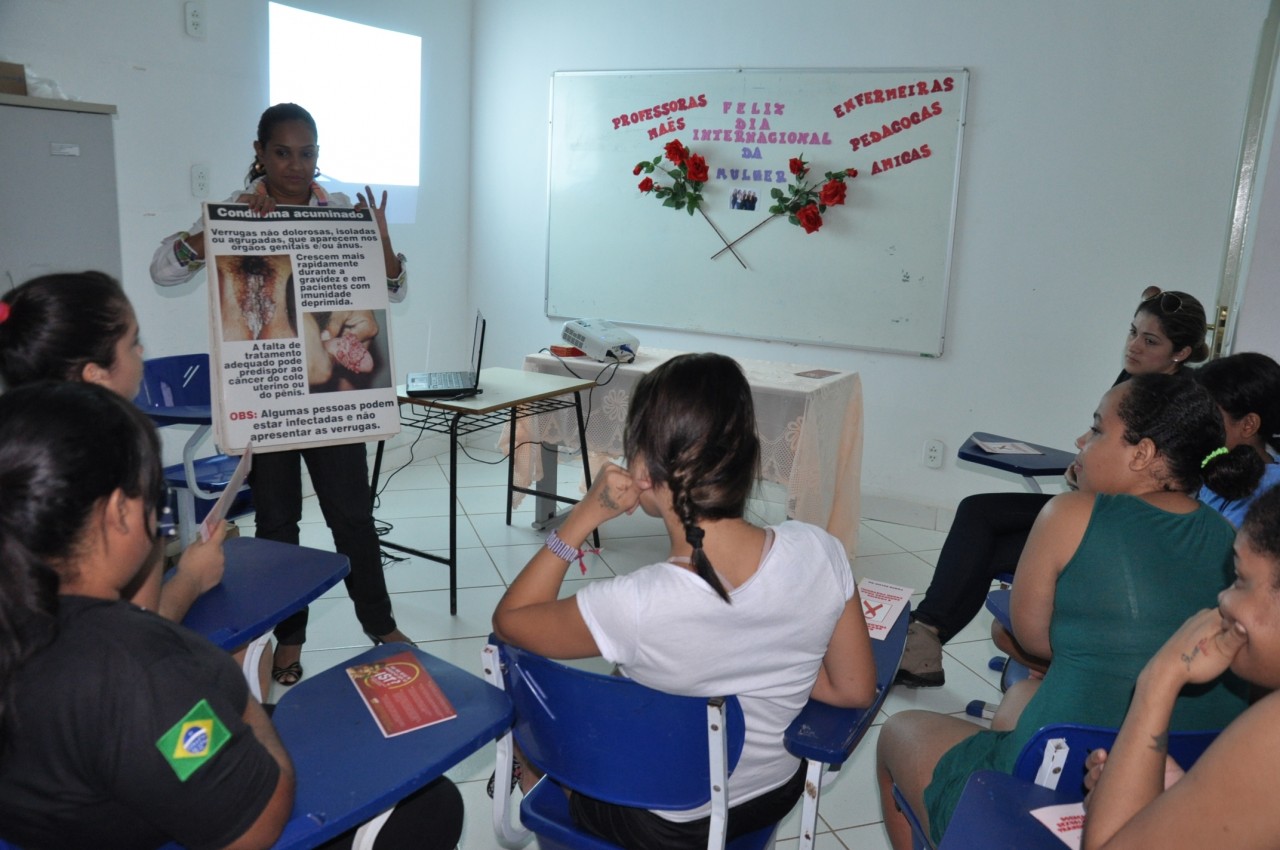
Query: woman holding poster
{"points": [[283, 172]]}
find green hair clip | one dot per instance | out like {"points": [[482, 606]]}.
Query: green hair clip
{"points": [[1211, 455]]}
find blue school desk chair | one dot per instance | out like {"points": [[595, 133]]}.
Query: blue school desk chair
{"points": [[1011, 670], [175, 391], [616, 740], [347, 770], [1054, 759], [1050, 463]]}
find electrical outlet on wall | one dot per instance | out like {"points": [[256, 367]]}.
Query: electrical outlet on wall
{"points": [[195, 20], [933, 452], [200, 180]]}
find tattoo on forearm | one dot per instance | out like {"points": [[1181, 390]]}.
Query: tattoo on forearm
{"points": [[1160, 743], [607, 501]]}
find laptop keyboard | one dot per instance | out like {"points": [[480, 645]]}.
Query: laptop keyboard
{"points": [[440, 380]]}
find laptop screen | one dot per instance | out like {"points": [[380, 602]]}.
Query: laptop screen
{"points": [[477, 344]]}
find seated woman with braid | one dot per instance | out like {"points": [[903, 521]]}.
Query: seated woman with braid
{"points": [[768, 614]]}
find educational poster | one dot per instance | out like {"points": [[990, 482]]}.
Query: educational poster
{"points": [[808, 206], [299, 334]]}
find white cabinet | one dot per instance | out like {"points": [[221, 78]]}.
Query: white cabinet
{"points": [[58, 205]]}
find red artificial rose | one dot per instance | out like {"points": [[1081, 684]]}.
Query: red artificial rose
{"points": [[646, 185], [832, 193], [797, 165], [852, 172], [809, 218], [636, 171], [675, 151], [697, 168]]}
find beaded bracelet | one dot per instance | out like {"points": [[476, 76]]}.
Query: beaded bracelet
{"points": [[185, 253], [565, 552]]}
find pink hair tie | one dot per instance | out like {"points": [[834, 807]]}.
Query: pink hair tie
{"points": [[4, 312]]}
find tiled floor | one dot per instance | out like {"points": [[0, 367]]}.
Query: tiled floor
{"points": [[415, 502]]}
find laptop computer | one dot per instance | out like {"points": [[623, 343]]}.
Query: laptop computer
{"points": [[451, 384]]}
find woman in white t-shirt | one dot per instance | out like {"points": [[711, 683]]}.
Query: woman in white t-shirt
{"points": [[768, 614]]}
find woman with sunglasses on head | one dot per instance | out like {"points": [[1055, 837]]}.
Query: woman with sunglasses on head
{"points": [[1108, 573], [283, 172], [117, 727], [990, 529], [81, 327]]}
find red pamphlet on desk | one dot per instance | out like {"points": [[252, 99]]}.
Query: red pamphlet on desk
{"points": [[400, 694]]}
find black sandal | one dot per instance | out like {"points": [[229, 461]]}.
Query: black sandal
{"points": [[515, 778], [289, 674]]}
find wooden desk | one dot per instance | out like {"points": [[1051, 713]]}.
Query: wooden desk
{"points": [[810, 431], [1049, 463], [262, 584], [509, 396]]}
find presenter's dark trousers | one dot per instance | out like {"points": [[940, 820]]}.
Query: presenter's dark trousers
{"points": [[985, 540], [340, 476]]}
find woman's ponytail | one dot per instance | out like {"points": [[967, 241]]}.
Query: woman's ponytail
{"points": [[1233, 474]]}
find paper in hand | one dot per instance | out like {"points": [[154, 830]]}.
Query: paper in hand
{"points": [[218, 513]]}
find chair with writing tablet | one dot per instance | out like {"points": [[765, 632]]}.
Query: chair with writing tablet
{"points": [[1054, 758], [175, 391], [347, 771], [1049, 463], [1011, 670], [617, 740]]}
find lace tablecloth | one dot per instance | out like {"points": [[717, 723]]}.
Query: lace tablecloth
{"points": [[809, 419]]}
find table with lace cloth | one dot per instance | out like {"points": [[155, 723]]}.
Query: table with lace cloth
{"points": [[810, 431]]}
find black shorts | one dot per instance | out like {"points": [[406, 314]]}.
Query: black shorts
{"points": [[641, 829]]}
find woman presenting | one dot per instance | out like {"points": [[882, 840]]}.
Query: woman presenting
{"points": [[283, 172]]}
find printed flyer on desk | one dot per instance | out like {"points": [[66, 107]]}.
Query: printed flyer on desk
{"points": [[300, 333]]}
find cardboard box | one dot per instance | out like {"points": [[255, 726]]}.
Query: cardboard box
{"points": [[13, 78]]}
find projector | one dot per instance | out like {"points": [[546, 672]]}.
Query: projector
{"points": [[601, 340]]}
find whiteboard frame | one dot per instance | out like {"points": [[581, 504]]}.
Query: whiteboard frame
{"points": [[938, 330]]}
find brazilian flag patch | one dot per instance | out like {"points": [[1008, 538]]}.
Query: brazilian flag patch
{"points": [[193, 740]]}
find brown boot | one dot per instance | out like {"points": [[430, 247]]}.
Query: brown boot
{"points": [[921, 665]]}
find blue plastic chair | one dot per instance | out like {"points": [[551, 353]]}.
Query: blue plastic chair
{"points": [[347, 771], [620, 741], [617, 741], [175, 390], [1011, 670], [1054, 758]]}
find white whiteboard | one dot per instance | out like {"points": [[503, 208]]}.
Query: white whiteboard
{"points": [[874, 276]]}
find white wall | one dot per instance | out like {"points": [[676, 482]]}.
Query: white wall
{"points": [[183, 100], [1099, 157]]}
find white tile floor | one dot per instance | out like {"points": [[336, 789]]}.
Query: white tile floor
{"points": [[415, 501]]}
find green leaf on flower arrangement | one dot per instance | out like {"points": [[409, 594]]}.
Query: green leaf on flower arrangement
{"points": [[776, 194], [792, 218], [693, 205], [673, 203]]}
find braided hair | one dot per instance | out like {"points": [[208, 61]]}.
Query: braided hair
{"points": [[693, 425]]}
